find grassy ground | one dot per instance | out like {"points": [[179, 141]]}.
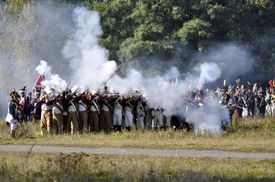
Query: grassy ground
{"points": [[245, 135], [82, 167]]}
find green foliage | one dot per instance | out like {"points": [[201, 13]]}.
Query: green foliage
{"points": [[136, 30], [194, 32]]}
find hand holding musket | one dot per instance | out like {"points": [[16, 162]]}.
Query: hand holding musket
{"points": [[112, 96]]}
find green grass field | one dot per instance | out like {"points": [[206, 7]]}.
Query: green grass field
{"points": [[83, 167], [245, 135]]}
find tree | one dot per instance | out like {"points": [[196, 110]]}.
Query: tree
{"points": [[195, 33]]}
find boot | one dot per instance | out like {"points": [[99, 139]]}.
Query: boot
{"points": [[115, 127], [119, 128], [12, 133]]}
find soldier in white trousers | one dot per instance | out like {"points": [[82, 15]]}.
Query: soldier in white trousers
{"points": [[83, 116], [157, 120], [117, 115], [94, 115], [72, 119], [128, 115], [140, 115], [58, 117], [12, 116]]}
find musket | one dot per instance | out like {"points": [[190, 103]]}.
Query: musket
{"points": [[231, 89]]}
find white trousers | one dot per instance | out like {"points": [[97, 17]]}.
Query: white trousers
{"points": [[128, 119], [13, 122], [117, 117]]}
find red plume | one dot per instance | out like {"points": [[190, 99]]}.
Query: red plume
{"points": [[270, 83]]}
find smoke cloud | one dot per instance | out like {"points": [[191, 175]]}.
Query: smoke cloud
{"points": [[89, 61], [51, 80], [233, 59]]}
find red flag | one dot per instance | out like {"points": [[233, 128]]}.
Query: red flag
{"points": [[38, 85]]}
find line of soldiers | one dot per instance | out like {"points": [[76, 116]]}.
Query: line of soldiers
{"points": [[248, 100], [75, 111], [82, 112]]}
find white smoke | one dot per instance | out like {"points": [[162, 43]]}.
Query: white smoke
{"points": [[131, 82], [51, 80], [89, 61], [233, 59], [209, 72], [208, 118], [167, 91]]}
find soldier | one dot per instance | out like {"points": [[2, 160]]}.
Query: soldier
{"points": [[117, 115], [250, 100], [22, 105], [73, 116], [58, 115], [261, 104], [140, 114], [83, 114], [268, 103], [231, 109], [128, 115], [148, 116], [273, 102], [105, 115], [238, 102], [157, 121], [37, 106], [28, 108], [12, 116], [94, 114], [46, 122]]}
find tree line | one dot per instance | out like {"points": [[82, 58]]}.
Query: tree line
{"points": [[136, 31]]}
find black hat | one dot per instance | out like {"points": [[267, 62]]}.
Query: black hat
{"points": [[23, 89], [14, 94]]}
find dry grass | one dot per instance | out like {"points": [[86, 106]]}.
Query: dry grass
{"points": [[246, 135], [83, 167]]}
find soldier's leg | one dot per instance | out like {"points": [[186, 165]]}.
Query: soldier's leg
{"points": [[127, 120], [154, 123], [55, 122], [115, 122], [85, 121], [49, 121], [140, 123], [168, 121], [160, 120], [96, 121], [273, 110], [131, 119], [13, 126], [65, 124], [80, 122], [107, 121], [69, 120], [74, 123], [101, 121], [43, 123], [119, 122], [58, 118], [268, 110]]}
